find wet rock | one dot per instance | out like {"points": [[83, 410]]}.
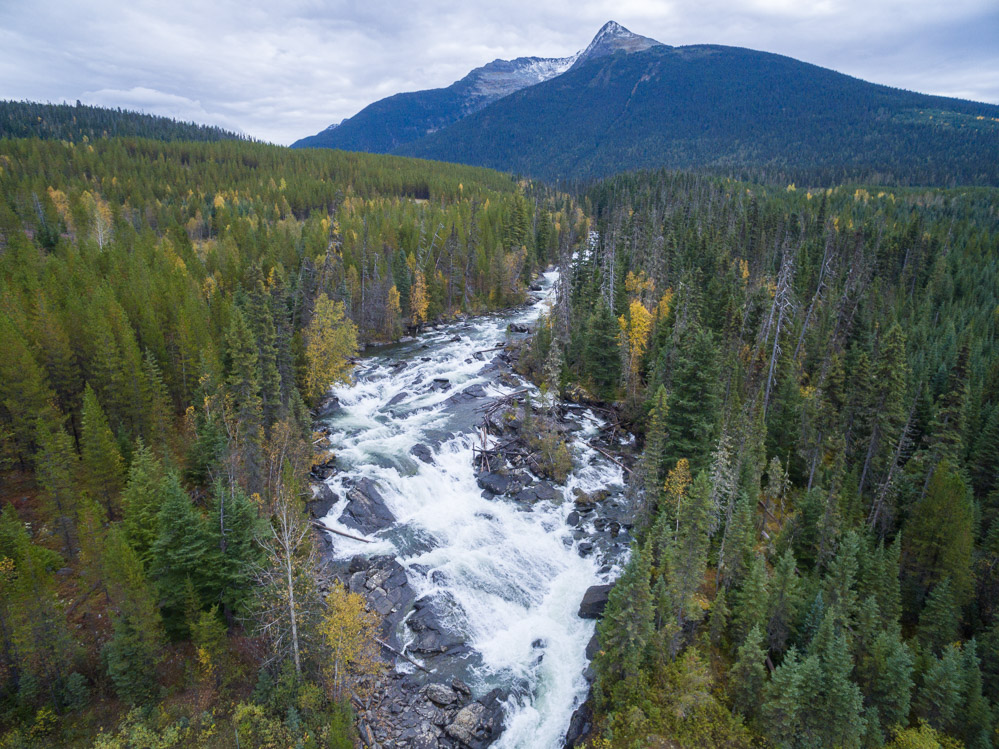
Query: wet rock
{"points": [[398, 398], [454, 339], [329, 407], [323, 502], [594, 601], [432, 637], [440, 385], [535, 287], [580, 726], [475, 391], [572, 518], [540, 492], [322, 471], [515, 327], [585, 549], [479, 724], [592, 647], [503, 483], [441, 694], [422, 452], [366, 510]]}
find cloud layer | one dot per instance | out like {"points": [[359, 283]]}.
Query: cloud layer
{"points": [[280, 71]]}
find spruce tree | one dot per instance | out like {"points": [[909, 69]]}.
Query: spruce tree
{"points": [[939, 621], [601, 352], [694, 402], [748, 675], [102, 462], [182, 551], [625, 631]]}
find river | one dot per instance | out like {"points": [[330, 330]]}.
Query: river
{"points": [[509, 580]]}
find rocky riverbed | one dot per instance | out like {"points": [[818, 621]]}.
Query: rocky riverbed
{"points": [[464, 545]]}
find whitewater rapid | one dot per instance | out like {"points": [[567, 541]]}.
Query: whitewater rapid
{"points": [[509, 580]]}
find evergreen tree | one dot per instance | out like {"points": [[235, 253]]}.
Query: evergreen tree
{"points": [[784, 603], [182, 551], [751, 601], [748, 675], [233, 531], [601, 354], [141, 501], [102, 462], [625, 631], [939, 621], [938, 538], [694, 403]]}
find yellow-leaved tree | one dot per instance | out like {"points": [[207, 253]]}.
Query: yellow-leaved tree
{"points": [[349, 631], [331, 341], [636, 327], [419, 301]]}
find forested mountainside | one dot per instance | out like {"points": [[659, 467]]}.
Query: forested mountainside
{"points": [[168, 314], [390, 123], [816, 375], [28, 119], [725, 110]]}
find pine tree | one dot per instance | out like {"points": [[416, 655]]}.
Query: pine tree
{"points": [[625, 631], [975, 720], [694, 403], [601, 354], [751, 601], [939, 621], [180, 552], [141, 501], [937, 700], [784, 603], [688, 555], [233, 530], [884, 675], [938, 538], [653, 468], [102, 462], [244, 413], [56, 468], [748, 675]]}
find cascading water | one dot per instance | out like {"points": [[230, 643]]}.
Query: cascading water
{"points": [[510, 581]]}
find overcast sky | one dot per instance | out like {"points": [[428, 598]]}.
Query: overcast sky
{"points": [[282, 69]]}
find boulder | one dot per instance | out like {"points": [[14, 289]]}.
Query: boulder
{"points": [[503, 483], [580, 725], [432, 637], [398, 398], [323, 502], [366, 510], [422, 452], [440, 385], [594, 601], [515, 327], [480, 723], [441, 694], [329, 407], [540, 492]]}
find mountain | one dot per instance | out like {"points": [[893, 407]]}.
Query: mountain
{"points": [[26, 119], [392, 122], [729, 110]]}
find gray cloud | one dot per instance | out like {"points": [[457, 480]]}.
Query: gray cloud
{"points": [[279, 71]]}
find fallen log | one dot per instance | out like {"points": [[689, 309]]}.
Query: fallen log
{"points": [[322, 527], [609, 456], [402, 655]]}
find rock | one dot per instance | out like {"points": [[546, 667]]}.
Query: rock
{"points": [[594, 601], [454, 339], [592, 647], [398, 398], [585, 549], [535, 286], [475, 391], [330, 407], [441, 694], [541, 492], [422, 452], [503, 483], [516, 327], [572, 518], [580, 725], [432, 637], [323, 502], [440, 385], [479, 724], [366, 510]]}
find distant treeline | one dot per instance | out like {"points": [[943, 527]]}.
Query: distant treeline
{"points": [[29, 119]]}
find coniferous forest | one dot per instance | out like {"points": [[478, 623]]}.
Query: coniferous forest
{"points": [[811, 375]]}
